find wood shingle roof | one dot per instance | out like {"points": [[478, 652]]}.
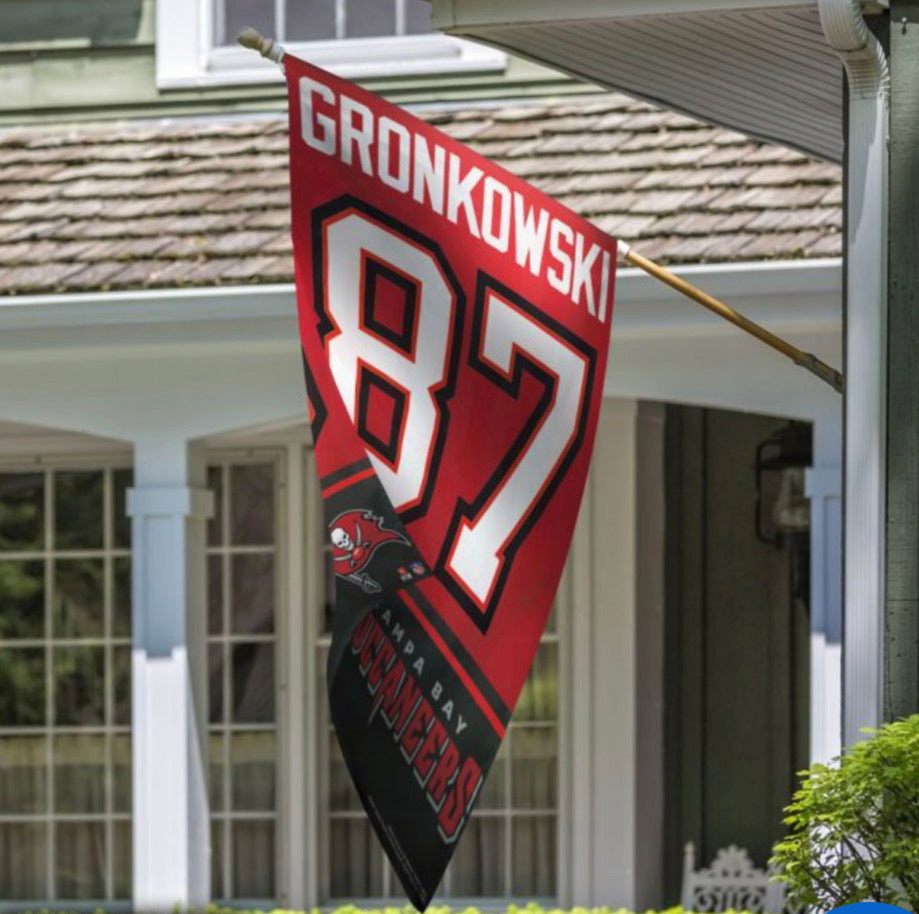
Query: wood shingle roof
{"points": [[126, 206]]}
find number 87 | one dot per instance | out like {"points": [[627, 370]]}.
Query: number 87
{"points": [[403, 359]]}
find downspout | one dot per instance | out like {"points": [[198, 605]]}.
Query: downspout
{"points": [[866, 189]]}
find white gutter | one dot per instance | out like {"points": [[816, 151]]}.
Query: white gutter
{"points": [[866, 362], [792, 295]]}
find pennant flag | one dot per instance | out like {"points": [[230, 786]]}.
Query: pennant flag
{"points": [[455, 325]]}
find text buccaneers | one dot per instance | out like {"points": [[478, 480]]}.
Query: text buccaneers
{"points": [[450, 782]]}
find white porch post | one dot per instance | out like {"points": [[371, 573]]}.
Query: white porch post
{"points": [[823, 486], [169, 506], [866, 263], [615, 714]]}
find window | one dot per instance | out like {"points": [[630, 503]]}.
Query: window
{"points": [[196, 40], [320, 20], [268, 649], [243, 620], [65, 684], [508, 849]]}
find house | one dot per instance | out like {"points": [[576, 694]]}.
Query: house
{"points": [[164, 598]]}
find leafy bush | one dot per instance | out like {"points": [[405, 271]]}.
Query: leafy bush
{"points": [[854, 826]]}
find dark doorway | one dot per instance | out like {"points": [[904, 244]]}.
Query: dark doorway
{"points": [[736, 641]]}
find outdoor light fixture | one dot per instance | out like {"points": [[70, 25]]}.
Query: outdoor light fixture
{"points": [[782, 509]]}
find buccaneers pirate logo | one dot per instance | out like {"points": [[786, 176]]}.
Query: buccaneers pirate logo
{"points": [[356, 535]]}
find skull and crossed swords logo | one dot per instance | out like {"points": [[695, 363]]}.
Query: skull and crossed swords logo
{"points": [[355, 536]]}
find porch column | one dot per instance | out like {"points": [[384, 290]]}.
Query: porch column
{"points": [[613, 852], [169, 506], [901, 609], [824, 489]]}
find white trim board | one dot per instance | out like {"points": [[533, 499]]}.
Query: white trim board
{"points": [[169, 308], [663, 346]]}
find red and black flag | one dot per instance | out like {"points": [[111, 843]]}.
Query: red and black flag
{"points": [[455, 325]]}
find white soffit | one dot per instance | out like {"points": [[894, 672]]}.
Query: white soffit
{"points": [[764, 70]]}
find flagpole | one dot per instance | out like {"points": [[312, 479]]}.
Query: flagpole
{"points": [[252, 38], [806, 360]]}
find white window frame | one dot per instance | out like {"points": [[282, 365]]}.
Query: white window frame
{"points": [[298, 503], [187, 58], [302, 749], [61, 454], [225, 458]]}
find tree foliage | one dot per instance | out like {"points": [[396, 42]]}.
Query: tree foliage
{"points": [[853, 827]]}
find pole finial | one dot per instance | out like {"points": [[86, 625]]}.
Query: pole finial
{"points": [[252, 38]]}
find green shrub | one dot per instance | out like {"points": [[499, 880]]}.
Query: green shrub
{"points": [[854, 826]]}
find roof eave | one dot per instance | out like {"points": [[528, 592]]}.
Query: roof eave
{"points": [[761, 67]]}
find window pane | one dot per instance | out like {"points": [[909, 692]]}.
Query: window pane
{"points": [[253, 594], [539, 696], [121, 685], [122, 859], [310, 20], [367, 18], [79, 774], [121, 773], [533, 771], [417, 17], [23, 854], [355, 859], [80, 855], [342, 793], [122, 480], [494, 791], [78, 598], [215, 683], [22, 598], [78, 510], [22, 687], [478, 866], [253, 858], [79, 693], [254, 760], [216, 770], [552, 622], [22, 511], [253, 683], [218, 843], [238, 14], [121, 610], [23, 767], [215, 594], [533, 857], [252, 504], [328, 589], [215, 484]]}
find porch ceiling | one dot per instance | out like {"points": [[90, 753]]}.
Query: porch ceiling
{"points": [[761, 67]]}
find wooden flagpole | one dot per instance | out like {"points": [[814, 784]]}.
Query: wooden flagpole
{"points": [[251, 38], [805, 359]]}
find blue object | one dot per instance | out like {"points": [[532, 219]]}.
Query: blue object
{"points": [[870, 907]]}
